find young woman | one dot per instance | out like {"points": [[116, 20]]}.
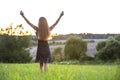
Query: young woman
{"points": [[43, 55]]}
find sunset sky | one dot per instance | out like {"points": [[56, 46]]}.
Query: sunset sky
{"points": [[80, 16]]}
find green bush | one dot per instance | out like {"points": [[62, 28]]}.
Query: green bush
{"points": [[57, 54], [117, 37], [15, 56], [75, 48], [110, 51], [13, 48], [100, 45]]}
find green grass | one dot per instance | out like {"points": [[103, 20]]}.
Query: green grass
{"points": [[59, 72]]}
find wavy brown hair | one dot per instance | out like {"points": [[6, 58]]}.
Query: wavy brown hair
{"points": [[43, 29]]}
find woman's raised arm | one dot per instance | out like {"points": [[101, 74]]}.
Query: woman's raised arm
{"points": [[33, 26], [51, 27]]}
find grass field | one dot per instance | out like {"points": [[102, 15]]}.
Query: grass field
{"points": [[59, 72]]}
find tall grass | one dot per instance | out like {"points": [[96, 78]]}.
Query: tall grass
{"points": [[59, 72]]}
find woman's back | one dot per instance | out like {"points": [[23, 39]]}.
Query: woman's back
{"points": [[43, 31]]}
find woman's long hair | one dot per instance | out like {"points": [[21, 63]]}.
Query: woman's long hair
{"points": [[43, 29]]}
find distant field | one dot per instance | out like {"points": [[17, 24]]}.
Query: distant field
{"points": [[91, 47], [59, 72]]}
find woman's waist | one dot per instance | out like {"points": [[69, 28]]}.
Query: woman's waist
{"points": [[42, 43], [42, 40]]}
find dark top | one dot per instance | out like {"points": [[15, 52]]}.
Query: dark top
{"points": [[43, 52]]}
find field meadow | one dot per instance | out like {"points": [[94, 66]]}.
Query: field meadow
{"points": [[59, 72]]}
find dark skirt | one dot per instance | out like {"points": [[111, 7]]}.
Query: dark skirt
{"points": [[43, 52]]}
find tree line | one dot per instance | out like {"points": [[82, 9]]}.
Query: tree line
{"points": [[84, 36]]}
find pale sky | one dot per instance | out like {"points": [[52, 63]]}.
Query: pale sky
{"points": [[91, 16]]}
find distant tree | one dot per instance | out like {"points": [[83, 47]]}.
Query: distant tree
{"points": [[13, 44], [18, 30], [75, 48]]}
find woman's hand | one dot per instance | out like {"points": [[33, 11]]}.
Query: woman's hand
{"points": [[62, 13], [21, 13], [32, 25]]}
